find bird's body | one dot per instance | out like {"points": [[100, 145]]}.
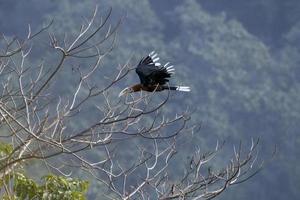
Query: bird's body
{"points": [[158, 88], [153, 76]]}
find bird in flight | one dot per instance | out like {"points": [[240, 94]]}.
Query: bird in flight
{"points": [[153, 76]]}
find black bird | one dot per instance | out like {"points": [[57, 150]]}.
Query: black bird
{"points": [[153, 76]]}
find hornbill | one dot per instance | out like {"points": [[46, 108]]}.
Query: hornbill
{"points": [[153, 76]]}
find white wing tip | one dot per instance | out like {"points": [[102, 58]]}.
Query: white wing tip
{"points": [[155, 59], [154, 56], [170, 69], [152, 52], [183, 88]]}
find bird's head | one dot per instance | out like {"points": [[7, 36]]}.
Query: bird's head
{"points": [[126, 91]]}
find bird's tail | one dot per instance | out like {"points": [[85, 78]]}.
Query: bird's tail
{"points": [[179, 88]]}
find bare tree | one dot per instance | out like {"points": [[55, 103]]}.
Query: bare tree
{"points": [[42, 124]]}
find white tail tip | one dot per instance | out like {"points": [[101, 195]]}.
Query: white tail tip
{"points": [[183, 88]]}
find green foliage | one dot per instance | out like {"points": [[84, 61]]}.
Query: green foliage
{"points": [[53, 187], [5, 149]]}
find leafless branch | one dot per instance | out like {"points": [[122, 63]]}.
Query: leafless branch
{"points": [[137, 143]]}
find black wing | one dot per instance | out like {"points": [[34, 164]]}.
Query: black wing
{"points": [[151, 72]]}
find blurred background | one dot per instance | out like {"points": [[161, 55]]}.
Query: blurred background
{"points": [[241, 59]]}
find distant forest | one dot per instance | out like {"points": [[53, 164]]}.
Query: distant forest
{"points": [[240, 58]]}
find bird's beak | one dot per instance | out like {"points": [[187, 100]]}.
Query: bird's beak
{"points": [[125, 91]]}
